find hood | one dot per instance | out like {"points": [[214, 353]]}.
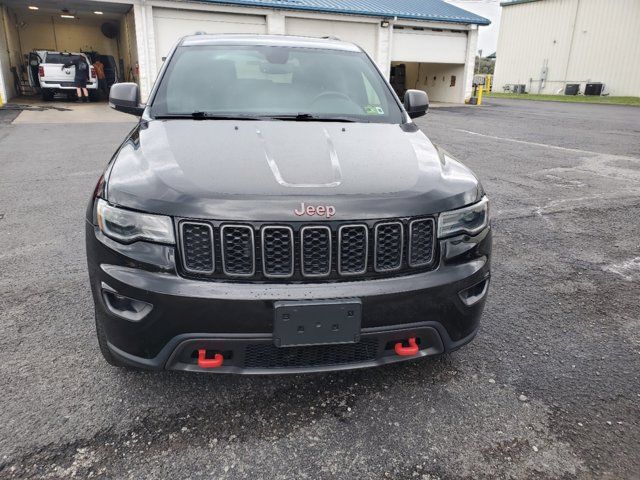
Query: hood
{"points": [[264, 170]]}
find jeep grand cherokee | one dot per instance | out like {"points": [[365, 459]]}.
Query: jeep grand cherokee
{"points": [[276, 210]]}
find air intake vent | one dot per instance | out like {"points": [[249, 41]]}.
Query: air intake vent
{"points": [[270, 356]]}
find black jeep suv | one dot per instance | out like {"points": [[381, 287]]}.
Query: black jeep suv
{"points": [[276, 210]]}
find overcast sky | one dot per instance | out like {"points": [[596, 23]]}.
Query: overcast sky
{"points": [[488, 37]]}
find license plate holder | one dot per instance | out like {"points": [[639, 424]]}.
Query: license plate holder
{"points": [[319, 322]]}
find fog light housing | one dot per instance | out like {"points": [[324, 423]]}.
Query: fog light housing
{"points": [[125, 307], [472, 295]]}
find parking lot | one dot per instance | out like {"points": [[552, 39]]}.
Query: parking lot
{"points": [[550, 388]]}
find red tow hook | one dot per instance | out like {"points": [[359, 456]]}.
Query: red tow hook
{"points": [[403, 351], [204, 362]]}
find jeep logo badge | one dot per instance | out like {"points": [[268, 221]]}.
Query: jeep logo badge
{"points": [[319, 210]]}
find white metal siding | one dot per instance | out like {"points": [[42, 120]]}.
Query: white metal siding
{"points": [[363, 34], [171, 24], [411, 45], [603, 47]]}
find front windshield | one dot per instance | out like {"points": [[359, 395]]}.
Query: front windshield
{"points": [[266, 81]]}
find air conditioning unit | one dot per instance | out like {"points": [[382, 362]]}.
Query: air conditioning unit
{"points": [[594, 89], [572, 89], [519, 88]]}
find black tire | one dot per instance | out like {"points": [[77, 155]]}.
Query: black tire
{"points": [[47, 94], [94, 96], [104, 349]]}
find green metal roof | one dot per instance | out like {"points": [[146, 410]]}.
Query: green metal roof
{"points": [[516, 2], [433, 10]]}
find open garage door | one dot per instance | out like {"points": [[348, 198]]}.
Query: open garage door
{"points": [[102, 31], [363, 34], [171, 24], [429, 59]]}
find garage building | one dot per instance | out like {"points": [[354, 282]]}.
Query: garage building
{"points": [[546, 45], [425, 44]]}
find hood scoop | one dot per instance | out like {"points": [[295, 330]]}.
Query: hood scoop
{"points": [[325, 171]]}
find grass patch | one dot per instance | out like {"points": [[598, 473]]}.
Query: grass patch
{"points": [[569, 98]]}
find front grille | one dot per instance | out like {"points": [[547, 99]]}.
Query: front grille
{"points": [[300, 252], [353, 246], [316, 251], [388, 246], [197, 247], [277, 251], [421, 242], [269, 356], [238, 252]]}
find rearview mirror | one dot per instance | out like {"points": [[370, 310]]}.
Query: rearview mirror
{"points": [[125, 97], [416, 103]]}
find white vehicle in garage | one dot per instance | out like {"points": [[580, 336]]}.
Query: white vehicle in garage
{"points": [[54, 77]]}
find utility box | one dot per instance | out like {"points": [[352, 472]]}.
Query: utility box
{"points": [[594, 89], [572, 89]]}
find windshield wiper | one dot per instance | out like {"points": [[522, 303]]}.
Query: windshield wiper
{"points": [[307, 117], [206, 116], [300, 117]]}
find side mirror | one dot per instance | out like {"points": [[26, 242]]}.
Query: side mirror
{"points": [[125, 97], [416, 103]]}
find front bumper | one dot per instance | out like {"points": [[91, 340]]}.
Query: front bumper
{"points": [[236, 319]]}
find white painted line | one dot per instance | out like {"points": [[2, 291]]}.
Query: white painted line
{"points": [[544, 145], [629, 270]]}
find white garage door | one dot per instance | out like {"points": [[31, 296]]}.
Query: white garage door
{"points": [[428, 46], [362, 34], [170, 25]]}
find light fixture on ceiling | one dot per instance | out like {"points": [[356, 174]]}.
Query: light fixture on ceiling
{"points": [[33, 7], [64, 15], [98, 13]]}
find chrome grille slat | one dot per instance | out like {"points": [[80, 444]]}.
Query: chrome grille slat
{"points": [[277, 251]]}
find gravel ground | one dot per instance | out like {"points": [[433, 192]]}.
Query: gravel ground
{"points": [[550, 388]]}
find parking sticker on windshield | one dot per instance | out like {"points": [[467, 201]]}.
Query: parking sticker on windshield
{"points": [[373, 110]]}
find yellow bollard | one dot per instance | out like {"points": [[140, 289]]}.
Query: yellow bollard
{"points": [[480, 96], [1, 102]]}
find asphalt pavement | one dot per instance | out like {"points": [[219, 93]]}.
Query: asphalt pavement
{"points": [[550, 388]]}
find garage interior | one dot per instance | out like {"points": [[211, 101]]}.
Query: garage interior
{"points": [[96, 29], [429, 59]]}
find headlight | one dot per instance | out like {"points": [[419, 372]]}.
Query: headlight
{"points": [[470, 220], [127, 226]]}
